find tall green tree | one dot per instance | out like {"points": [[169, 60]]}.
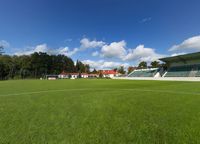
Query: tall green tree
{"points": [[142, 64], [100, 74], [121, 70], [25, 66], [87, 68], [130, 69], [1, 49], [4, 67], [80, 67], [94, 71], [115, 69], [38, 65], [155, 64], [35, 65]]}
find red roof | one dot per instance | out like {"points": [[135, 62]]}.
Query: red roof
{"points": [[64, 73], [108, 72], [84, 74]]}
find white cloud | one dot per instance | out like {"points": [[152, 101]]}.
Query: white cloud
{"points": [[142, 54], [176, 54], [4, 43], [101, 64], [68, 40], [146, 19], [74, 51], [63, 51], [41, 48], [192, 43], [45, 49], [115, 49], [86, 43], [38, 48], [96, 53]]}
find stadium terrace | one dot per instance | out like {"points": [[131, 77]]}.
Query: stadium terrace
{"points": [[182, 67]]}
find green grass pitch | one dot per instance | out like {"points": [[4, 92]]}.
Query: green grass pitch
{"points": [[99, 111]]}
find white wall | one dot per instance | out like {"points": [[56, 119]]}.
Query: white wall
{"points": [[62, 76], [74, 76], [161, 78], [109, 75], [84, 76]]}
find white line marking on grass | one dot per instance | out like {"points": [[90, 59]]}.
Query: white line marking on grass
{"points": [[106, 89], [44, 91], [162, 91]]}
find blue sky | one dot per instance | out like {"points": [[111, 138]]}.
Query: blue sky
{"points": [[103, 33]]}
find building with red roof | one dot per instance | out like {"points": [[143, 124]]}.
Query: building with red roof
{"points": [[109, 73], [64, 75]]}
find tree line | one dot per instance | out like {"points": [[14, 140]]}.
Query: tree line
{"points": [[141, 65], [40, 64], [37, 65], [144, 65]]}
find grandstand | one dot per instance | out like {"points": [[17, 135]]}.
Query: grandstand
{"points": [[187, 65], [151, 72], [182, 67]]}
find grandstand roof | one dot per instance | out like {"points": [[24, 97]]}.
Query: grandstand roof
{"points": [[183, 58]]}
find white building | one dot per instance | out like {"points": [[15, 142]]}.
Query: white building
{"points": [[109, 73]]}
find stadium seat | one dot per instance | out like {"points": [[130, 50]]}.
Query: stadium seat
{"points": [[183, 71], [143, 73]]}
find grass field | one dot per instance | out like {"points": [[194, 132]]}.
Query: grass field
{"points": [[99, 111]]}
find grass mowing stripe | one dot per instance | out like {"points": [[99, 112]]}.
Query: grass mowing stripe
{"points": [[86, 89], [162, 91], [99, 111], [45, 91]]}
